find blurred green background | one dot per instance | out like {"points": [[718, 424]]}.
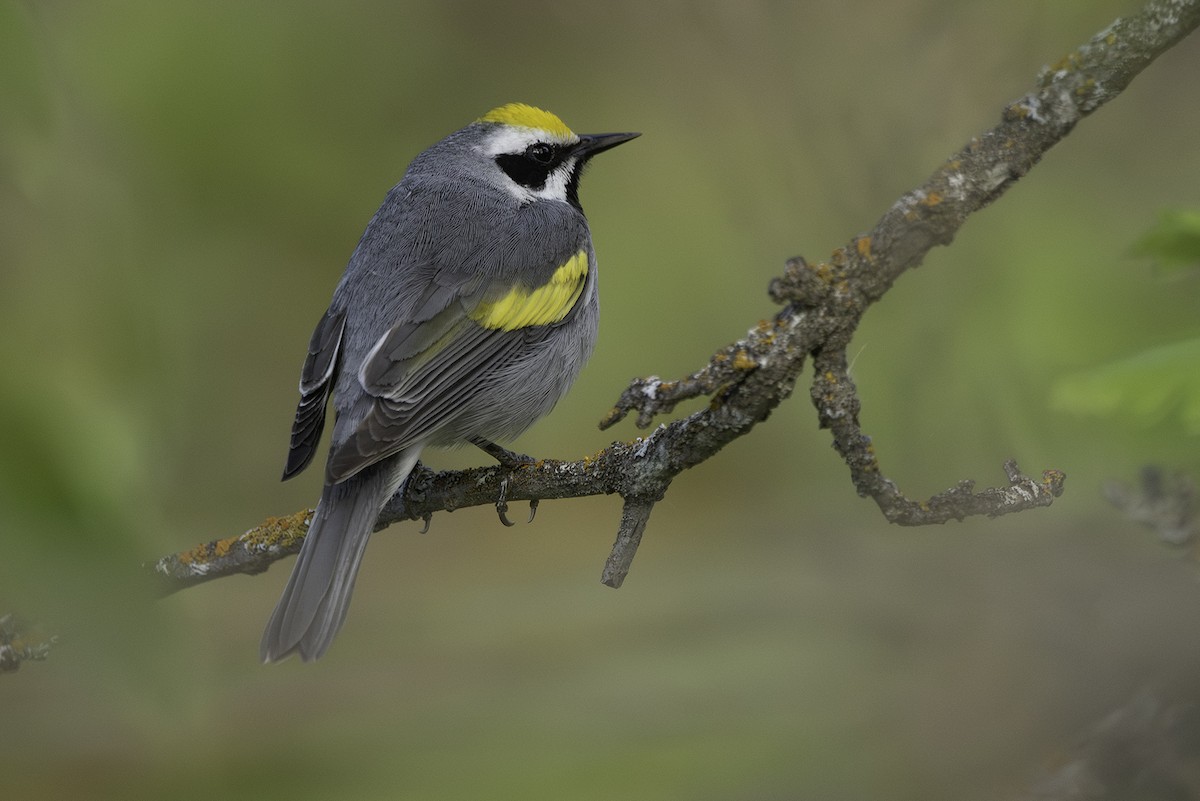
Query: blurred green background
{"points": [[180, 187]]}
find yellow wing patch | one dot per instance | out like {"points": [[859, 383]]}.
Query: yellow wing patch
{"points": [[523, 306], [525, 116]]}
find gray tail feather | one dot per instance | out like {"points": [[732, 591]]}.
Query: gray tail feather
{"points": [[317, 595]]}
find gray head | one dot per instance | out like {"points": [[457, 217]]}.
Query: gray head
{"points": [[524, 151]]}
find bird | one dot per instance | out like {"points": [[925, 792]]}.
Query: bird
{"points": [[466, 311]]}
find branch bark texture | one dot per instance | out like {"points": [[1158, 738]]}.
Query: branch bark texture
{"points": [[822, 305], [20, 642]]}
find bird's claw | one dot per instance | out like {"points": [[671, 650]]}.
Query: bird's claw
{"points": [[426, 518], [512, 461], [502, 504]]}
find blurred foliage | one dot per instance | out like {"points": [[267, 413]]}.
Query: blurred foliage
{"points": [[1161, 385], [1174, 241], [180, 186]]}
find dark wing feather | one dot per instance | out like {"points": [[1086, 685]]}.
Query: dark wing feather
{"points": [[315, 385], [439, 389], [409, 343], [421, 372]]}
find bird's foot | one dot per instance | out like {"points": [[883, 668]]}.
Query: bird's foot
{"points": [[504, 456], [512, 461]]}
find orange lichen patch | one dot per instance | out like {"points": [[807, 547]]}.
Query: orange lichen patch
{"points": [[1052, 481], [202, 554], [279, 532], [863, 246], [838, 259], [764, 333], [1017, 111], [743, 361], [1067, 63], [824, 271], [932, 199]]}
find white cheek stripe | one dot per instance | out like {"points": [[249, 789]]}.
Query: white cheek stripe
{"points": [[556, 182], [521, 193], [510, 139]]}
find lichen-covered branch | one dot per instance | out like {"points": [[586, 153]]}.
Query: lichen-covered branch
{"points": [[250, 552], [20, 642], [822, 305], [837, 403]]}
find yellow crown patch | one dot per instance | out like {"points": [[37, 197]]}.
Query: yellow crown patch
{"points": [[525, 116]]}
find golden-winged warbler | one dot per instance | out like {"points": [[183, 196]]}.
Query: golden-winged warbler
{"points": [[466, 311]]}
